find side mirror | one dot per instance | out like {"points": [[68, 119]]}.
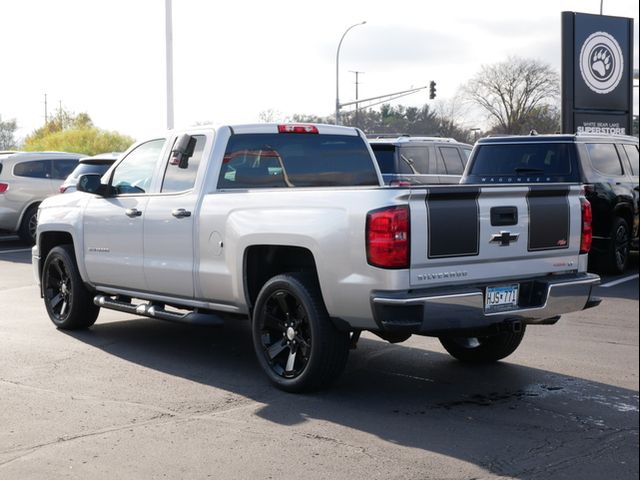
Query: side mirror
{"points": [[90, 183], [182, 150]]}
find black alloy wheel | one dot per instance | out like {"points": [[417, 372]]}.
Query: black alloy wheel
{"points": [[286, 336], [68, 302], [296, 344], [620, 246], [29, 225]]}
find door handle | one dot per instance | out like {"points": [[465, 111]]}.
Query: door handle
{"points": [[132, 212], [180, 213]]}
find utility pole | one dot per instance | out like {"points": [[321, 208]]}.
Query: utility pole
{"points": [[357, 110], [169, 52], [46, 118]]}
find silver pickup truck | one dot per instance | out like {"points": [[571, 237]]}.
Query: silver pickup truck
{"points": [[292, 226]]}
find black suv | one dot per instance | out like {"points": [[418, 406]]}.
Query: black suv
{"points": [[406, 160], [606, 165]]}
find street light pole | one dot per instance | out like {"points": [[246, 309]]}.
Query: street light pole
{"points": [[338, 70], [169, 52]]}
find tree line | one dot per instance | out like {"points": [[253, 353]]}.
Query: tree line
{"points": [[515, 97]]}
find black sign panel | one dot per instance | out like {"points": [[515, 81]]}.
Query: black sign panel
{"points": [[597, 88]]}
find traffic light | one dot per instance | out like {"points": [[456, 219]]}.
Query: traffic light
{"points": [[432, 90]]}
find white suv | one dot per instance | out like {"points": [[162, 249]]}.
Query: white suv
{"points": [[27, 178]]}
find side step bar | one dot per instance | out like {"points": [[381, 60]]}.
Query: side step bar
{"points": [[157, 311]]}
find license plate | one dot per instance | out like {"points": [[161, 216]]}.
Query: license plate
{"points": [[501, 298]]}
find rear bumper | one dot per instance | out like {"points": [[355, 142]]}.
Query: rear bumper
{"points": [[439, 311]]}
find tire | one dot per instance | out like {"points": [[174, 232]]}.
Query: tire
{"points": [[483, 349], [616, 258], [69, 304], [27, 230], [296, 344]]}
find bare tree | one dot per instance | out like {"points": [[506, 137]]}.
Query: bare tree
{"points": [[7, 134], [270, 116], [512, 92]]}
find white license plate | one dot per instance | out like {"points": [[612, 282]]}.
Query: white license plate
{"points": [[501, 298]]}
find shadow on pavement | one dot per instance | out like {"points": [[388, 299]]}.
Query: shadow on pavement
{"points": [[510, 420], [14, 250]]}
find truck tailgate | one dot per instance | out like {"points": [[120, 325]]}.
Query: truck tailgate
{"points": [[472, 234]]}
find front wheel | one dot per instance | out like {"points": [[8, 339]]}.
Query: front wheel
{"points": [[483, 349], [28, 226], [296, 344], [68, 302]]}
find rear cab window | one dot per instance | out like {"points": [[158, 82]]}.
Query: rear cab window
{"points": [[296, 160], [524, 163], [385, 156]]}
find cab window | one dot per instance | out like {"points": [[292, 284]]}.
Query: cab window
{"points": [[178, 179], [134, 173]]}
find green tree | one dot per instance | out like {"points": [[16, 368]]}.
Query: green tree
{"points": [[67, 132], [7, 134], [514, 93]]}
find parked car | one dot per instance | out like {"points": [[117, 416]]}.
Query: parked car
{"points": [[606, 165], [97, 164], [27, 178], [288, 225], [406, 160]]}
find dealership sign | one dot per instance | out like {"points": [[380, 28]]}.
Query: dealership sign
{"points": [[597, 89]]}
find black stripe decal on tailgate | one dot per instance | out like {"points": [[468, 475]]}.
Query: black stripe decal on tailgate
{"points": [[548, 218], [453, 222]]}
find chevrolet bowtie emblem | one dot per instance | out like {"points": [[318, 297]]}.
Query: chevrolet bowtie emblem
{"points": [[504, 238]]}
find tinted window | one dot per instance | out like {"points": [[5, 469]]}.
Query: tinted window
{"points": [[452, 160], [467, 154], [296, 160], [62, 168], [133, 174], [632, 153], [34, 169], [87, 168], [385, 156], [415, 159], [178, 179], [522, 159], [604, 158]]}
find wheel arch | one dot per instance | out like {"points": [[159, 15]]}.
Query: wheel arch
{"points": [[262, 262], [50, 239]]}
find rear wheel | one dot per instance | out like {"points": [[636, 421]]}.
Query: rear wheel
{"points": [[483, 349], [297, 345], [69, 304], [616, 258], [28, 226]]}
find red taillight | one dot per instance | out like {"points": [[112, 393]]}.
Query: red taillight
{"points": [[62, 189], [4, 187], [587, 230], [388, 237], [297, 129]]}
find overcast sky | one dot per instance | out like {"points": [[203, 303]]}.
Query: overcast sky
{"points": [[233, 60]]}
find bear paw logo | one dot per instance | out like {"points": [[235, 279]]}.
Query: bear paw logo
{"points": [[601, 62]]}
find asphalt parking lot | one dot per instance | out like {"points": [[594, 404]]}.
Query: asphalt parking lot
{"points": [[139, 398]]}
